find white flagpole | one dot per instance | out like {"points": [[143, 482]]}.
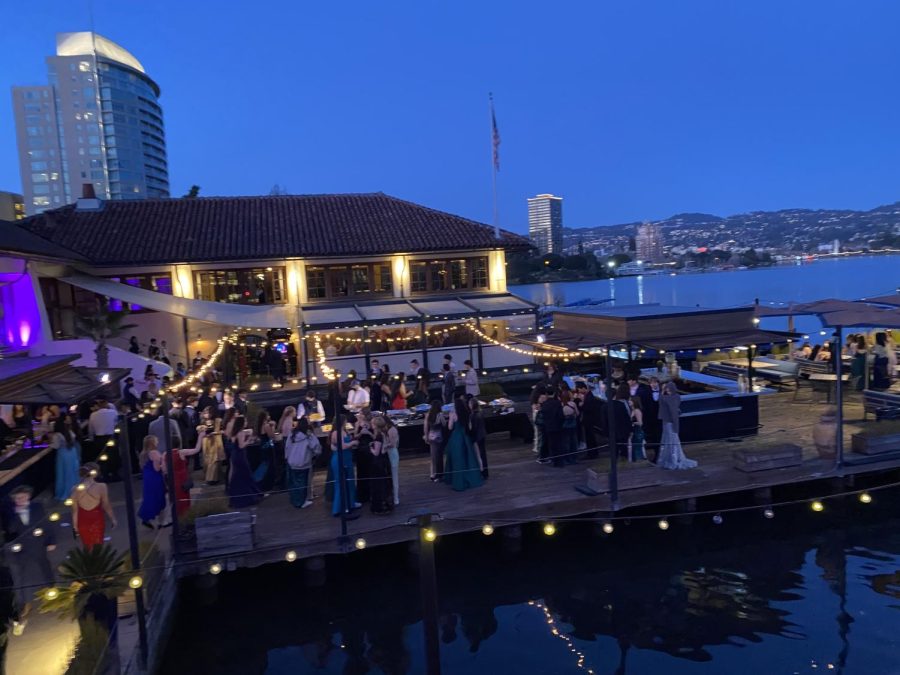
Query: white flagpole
{"points": [[494, 167]]}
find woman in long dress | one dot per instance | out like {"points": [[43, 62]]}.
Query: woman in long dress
{"points": [[153, 498], [347, 446], [68, 457], [213, 449], [462, 467], [381, 495], [90, 501], [242, 489], [671, 455], [183, 481], [364, 436]]}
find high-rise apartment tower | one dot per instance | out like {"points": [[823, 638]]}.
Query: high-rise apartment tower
{"points": [[97, 121], [545, 223]]}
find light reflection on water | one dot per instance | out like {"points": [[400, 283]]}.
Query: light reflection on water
{"points": [[797, 594]]}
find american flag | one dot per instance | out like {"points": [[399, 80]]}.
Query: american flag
{"points": [[495, 136]]}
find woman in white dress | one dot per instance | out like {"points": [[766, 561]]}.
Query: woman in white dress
{"points": [[671, 456]]}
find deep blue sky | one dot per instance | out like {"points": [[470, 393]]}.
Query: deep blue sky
{"points": [[629, 110]]}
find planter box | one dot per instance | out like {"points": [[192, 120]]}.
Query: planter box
{"points": [[870, 444], [774, 457], [224, 533]]}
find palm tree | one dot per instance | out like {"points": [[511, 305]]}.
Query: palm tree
{"points": [[102, 325], [96, 577]]}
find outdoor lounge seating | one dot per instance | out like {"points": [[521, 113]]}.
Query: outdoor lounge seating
{"points": [[882, 404], [807, 367]]}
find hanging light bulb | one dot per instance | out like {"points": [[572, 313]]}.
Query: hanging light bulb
{"points": [[290, 556], [865, 498], [135, 582], [817, 506], [360, 544], [663, 524], [51, 594], [769, 513], [487, 529], [429, 534], [717, 519], [549, 529], [215, 568], [608, 527]]}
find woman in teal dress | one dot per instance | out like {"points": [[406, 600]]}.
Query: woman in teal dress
{"points": [[68, 457], [462, 467], [347, 446]]}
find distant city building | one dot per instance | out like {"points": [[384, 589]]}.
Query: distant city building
{"points": [[545, 223], [648, 243], [98, 122], [12, 206]]}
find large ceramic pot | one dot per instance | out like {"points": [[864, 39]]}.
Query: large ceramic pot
{"points": [[825, 433]]}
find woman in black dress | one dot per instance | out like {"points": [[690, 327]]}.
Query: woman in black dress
{"points": [[381, 492], [363, 455]]}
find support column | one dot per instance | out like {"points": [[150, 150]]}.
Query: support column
{"points": [[839, 395], [611, 435], [424, 348], [480, 344]]}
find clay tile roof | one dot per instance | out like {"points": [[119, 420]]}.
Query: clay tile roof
{"points": [[211, 229]]}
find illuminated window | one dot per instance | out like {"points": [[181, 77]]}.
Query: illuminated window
{"points": [[315, 283], [438, 275], [419, 277], [479, 273], [360, 279], [459, 276]]}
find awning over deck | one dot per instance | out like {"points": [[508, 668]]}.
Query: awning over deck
{"points": [[368, 314], [50, 380], [567, 341], [226, 314]]}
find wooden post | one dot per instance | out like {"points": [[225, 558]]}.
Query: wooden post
{"points": [[839, 395], [170, 467], [428, 578], [367, 354], [480, 346], [611, 435], [424, 347], [127, 478]]}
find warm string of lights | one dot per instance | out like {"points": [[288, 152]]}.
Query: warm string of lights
{"points": [[358, 340], [329, 372], [565, 356], [555, 632]]}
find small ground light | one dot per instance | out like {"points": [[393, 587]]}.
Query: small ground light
{"points": [[215, 568], [549, 529], [769, 513], [817, 506], [290, 556], [135, 582], [717, 519], [487, 529], [360, 543], [865, 498], [51, 593], [608, 528], [429, 534], [663, 524]]}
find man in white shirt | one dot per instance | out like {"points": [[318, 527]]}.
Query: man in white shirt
{"points": [[101, 428], [309, 405], [357, 397], [448, 360], [471, 379]]}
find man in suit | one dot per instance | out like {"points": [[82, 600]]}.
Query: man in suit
{"points": [[652, 424], [29, 537], [552, 418], [593, 418]]}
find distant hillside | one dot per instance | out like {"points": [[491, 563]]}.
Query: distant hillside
{"points": [[789, 230]]}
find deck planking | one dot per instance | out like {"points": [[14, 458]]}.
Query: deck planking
{"points": [[520, 490]]}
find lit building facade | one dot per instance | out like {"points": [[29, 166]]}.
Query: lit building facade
{"points": [[649, 243], [98, 121], [545, 223], [375, 276], [12, 206]]}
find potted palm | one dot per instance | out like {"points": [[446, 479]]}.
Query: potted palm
{"points": [[101, 326], [93, 579]]}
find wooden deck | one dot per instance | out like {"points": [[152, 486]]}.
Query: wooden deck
{"points": [[520, 490]]}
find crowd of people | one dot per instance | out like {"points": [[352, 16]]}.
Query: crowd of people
{"points": [[640, 417], [873, 358]]}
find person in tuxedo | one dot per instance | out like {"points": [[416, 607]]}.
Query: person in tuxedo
{"points": [[29, 538], [652, 424], [593, 418]]}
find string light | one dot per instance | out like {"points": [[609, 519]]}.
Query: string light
{"points": [[68, 502], [769, 513], [215, 568], [38, 532], [608, 527], [663, 524], [717, 519], [549, 529], [16, 547], [527, 352], [487, 529], [360, 544], [54, 517], [135, 582], [290, 556], [51, 594], [817, 506], [865, 498], [429, 534]]}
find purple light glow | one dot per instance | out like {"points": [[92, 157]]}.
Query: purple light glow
{"points": [[20, 323]]}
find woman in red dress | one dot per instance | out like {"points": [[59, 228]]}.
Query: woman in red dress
{"points": [[90, 500], [183, 481]]}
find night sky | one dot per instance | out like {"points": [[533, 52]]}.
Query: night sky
{"points": [[629, 110]]}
